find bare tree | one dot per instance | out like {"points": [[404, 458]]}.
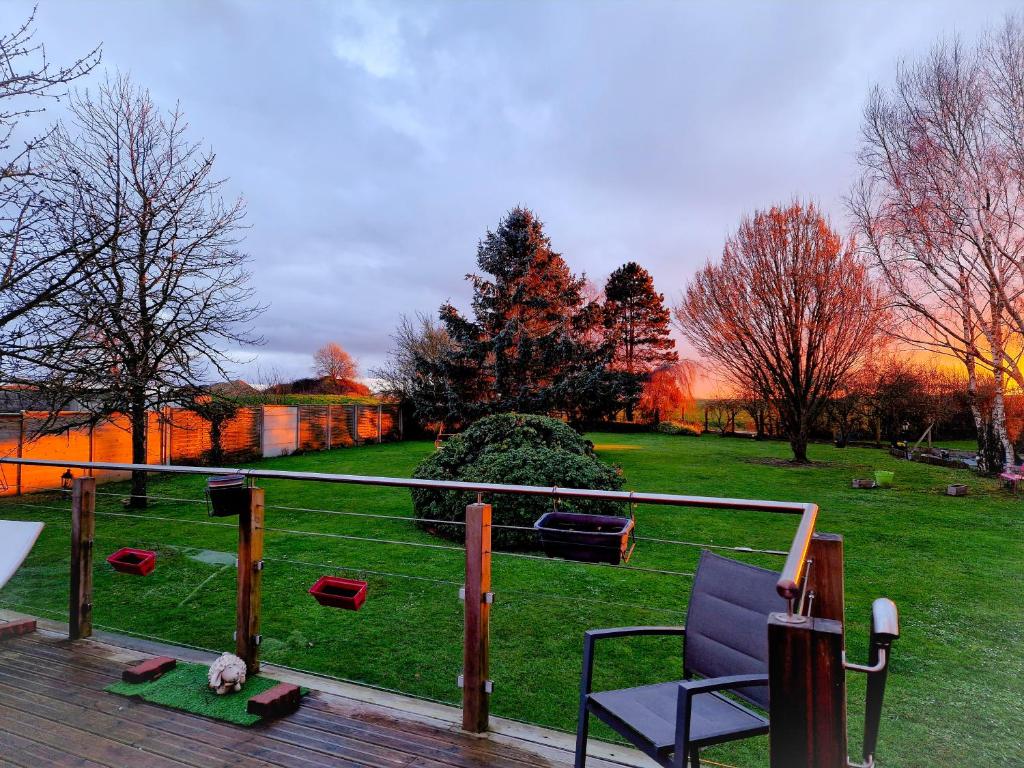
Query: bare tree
{"points": [[37, 263], [333, 362], [173, 292], [416, 337], [940, 207], [788, 311]]}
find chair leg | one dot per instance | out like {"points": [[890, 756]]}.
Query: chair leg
{"points": [[582, 729], [694, 757]]}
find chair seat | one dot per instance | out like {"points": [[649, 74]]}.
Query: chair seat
{"points": [[650, 712]]}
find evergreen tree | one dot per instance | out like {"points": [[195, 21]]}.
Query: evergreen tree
{"points": [[531, 336], [636, 325]]}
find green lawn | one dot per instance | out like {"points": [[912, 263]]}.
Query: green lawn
{"points": [[953, 565]]}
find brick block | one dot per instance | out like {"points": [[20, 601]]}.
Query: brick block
{"points": [[282, 699], [17, 627], [148, 670]]}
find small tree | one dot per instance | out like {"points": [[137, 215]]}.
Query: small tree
{"points": [[789, 310], [636, 323], [667, 390], [216, 409], [149, 328], [333, 362]]}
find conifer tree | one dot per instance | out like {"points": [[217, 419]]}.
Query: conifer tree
{"points": [[636, 325]]}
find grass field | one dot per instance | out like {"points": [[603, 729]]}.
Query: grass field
{"points": [[953, 565]]}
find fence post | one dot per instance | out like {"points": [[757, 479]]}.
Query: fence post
{"points": [[250, 571], [805, 668], [380, 417], [355, 424], [476, 653], [21, 451], [329, 446], [83, 532]]}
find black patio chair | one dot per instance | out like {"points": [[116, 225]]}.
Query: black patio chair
{"points": [[725, 644]]}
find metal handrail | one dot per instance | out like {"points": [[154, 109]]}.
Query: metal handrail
{"points": [[788, 585]]}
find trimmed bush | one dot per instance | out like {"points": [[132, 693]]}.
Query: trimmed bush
{"points": [[680, 428], [516, 449]]}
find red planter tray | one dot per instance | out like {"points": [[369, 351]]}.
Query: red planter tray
{"points": [[336, 592], [137, 562]]}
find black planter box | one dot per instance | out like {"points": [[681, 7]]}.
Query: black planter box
{"points": [[228, 495], [586, 538]]}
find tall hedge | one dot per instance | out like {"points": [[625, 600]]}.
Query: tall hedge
{"points": [[516, 449]]}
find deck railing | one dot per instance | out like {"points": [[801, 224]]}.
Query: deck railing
{"points": [[808, 696]]}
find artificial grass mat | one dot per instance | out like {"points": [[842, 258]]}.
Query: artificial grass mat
{"points": [[185, 687]]}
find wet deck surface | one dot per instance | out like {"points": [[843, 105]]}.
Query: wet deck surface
{"points": [[54, 712]]}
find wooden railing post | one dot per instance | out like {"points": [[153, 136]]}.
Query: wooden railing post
{"points": [[807, 679], [83, 532], [826, 576], [476, 653], [250, 572]]}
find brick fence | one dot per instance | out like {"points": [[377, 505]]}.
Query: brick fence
{"points": [[178, 436]]}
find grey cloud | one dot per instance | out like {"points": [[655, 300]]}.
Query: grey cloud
{"points": [[375, 142]]}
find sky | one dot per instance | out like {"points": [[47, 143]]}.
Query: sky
{"points": [[375, 142]]}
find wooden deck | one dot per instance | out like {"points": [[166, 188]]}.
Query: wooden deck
{"points": [[54, 712]]}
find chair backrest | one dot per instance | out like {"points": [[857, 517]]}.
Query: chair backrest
{"points": [[727, 621]]}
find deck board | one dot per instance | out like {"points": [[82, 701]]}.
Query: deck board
{"points": [[54, 711]]}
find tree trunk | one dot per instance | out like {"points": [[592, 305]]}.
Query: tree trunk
{"points": [[629, 412], [999, 421], [138, 423], [216, 449], [798, 442]]}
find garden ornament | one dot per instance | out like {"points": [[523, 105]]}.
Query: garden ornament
{"points": [[227, 674]]}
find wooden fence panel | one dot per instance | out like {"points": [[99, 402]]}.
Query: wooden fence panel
{"points": [[341, 426], [312, 427]]}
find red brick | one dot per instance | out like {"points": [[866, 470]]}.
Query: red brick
{"points": [[282, 699], [17, 627], [148, 670]]}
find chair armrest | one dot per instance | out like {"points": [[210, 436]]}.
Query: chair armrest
{"points": [[591, 636], [600, 634], [690, 688], [727, 683]]}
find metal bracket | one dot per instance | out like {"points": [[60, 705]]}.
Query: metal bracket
{"points": [[258, 565], [257, 639], [882, 660], [488, 684], [488, 597]]}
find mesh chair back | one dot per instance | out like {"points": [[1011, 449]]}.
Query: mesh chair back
{"points": [[727, 621]]}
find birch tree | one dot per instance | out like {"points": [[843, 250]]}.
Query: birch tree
{"points": [[940, 211]]}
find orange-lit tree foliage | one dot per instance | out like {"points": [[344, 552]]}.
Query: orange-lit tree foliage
{"points": [[789, 310], [331, 361], [668, 390]]}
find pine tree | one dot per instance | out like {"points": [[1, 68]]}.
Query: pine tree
{"points": [[636, 324]]}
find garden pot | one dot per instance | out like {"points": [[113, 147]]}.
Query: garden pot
{"points": [[137, 562], [883, 478], [336, 592], [228, 495], [586, 538], [956, 490]]}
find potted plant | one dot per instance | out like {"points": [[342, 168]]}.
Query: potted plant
{"points": [[137, 562], [336, 592], [586, 538], [227, 494]]}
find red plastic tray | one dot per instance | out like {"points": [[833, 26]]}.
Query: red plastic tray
{"points": [[336, 592], [137, 562]]}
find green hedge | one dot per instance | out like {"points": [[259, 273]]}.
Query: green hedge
{"points": [[515, 449]]}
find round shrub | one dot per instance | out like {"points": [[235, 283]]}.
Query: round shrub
{"points": [[513, 449], [679, 428]]}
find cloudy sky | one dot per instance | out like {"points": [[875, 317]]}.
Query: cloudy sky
{"points": [[376, 142]]}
